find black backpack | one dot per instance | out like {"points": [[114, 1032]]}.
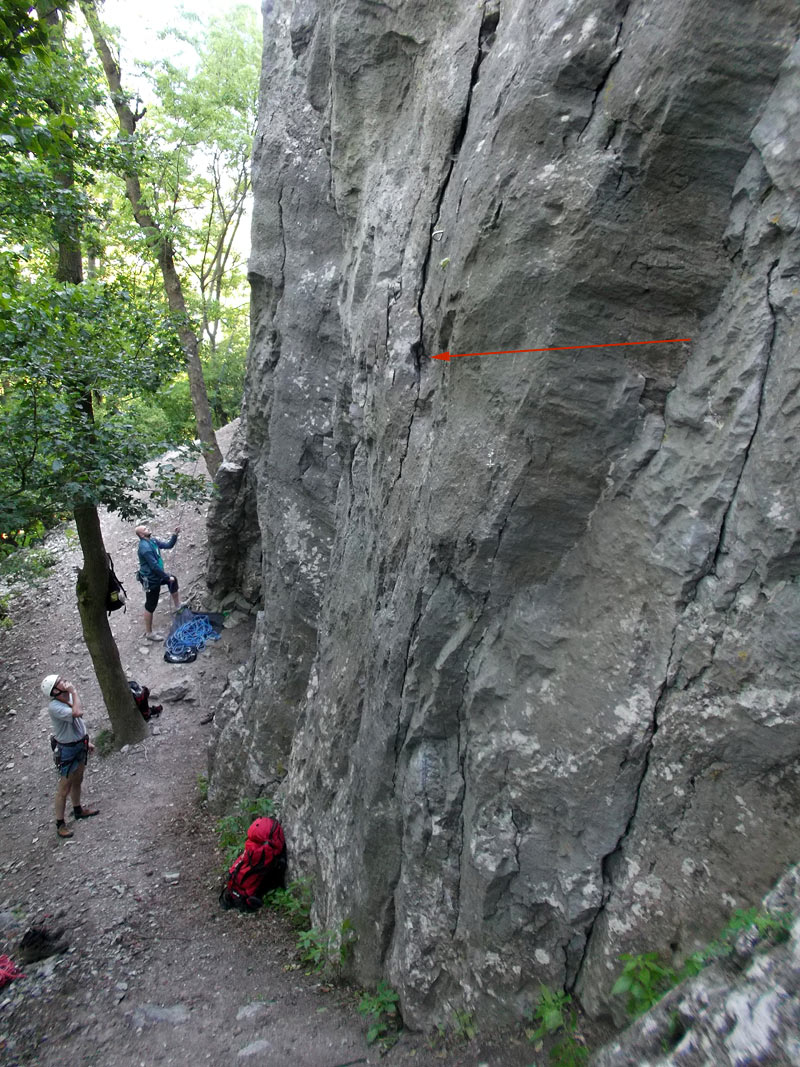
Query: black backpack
{"points": [[116, 595]]}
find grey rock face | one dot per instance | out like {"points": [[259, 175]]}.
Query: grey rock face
{"points": [[526, 662], [234, 536]]}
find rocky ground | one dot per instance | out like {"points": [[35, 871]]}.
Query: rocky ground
{"points": [[155, 972]]}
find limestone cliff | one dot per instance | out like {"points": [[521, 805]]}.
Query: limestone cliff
{"points": [[527, 666]]}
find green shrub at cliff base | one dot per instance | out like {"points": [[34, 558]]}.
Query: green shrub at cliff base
{"points": [[382, 1012], [326, 950], [294, 902], [553, 1014]]}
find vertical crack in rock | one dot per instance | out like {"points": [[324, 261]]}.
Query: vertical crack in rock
{"points": [[462, 754], [712, 569], [488, 26], [402, 727], [616, 55], [713, 560], [282, 280], [489, 22], [608, 860]]}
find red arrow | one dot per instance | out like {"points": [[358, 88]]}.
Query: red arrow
{"points": [[559, 348]]}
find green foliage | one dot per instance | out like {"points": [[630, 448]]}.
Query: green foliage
{"points": [[326, 950], [381, 1010], [771, 929], [70, 356], [29, 565], [192, 152], [6, 621], [152, 425], [232, 829], [21, 31], [86, 371], [224, 372], [464, 1027], [294, 902], [550, 1012], [553, 1013], [568, 1052], [202, 787], [644, 980], [172, 484]]}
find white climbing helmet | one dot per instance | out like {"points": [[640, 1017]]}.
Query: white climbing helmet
{"points": [[48, 683]]}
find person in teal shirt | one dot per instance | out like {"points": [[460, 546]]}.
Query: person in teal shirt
{"points": [[153, 576]]}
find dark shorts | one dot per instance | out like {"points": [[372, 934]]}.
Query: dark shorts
{"points": [[71, 757], [153, 593]]}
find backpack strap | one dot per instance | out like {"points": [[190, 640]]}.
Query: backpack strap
{"points": [[235, 870]]}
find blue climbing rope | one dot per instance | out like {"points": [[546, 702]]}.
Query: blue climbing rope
{"points": [[191, 635]]}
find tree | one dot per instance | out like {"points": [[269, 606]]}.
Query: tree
{"points": [[158, 238], [56, 333], [206, 119]]}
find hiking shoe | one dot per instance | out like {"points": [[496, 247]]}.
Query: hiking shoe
{"points": [[64, 831], [153, 637], [85, 813]]}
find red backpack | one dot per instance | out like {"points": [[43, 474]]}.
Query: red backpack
{"points": [[258, 869]]}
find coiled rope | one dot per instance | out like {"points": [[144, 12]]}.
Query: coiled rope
{"points": [[191, 635]]}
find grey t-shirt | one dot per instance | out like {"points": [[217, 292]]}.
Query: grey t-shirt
{"points": [[66, 729]]}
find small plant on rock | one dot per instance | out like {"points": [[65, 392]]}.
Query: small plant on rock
{"points": [[550, 1013], [464, 1027], [380, 1008], [644, 980], [553, 1014]]}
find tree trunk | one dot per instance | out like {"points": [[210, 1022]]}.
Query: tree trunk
{"points": [[92, 587], [165, 253]]}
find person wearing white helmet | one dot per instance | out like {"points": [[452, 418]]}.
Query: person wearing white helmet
{"points": [[73, 744]]}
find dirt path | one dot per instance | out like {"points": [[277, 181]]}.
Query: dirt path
{"points": [[156, 972]]}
